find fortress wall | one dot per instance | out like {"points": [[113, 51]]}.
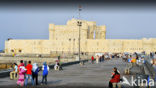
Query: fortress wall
{"points": [[64, 39], [89, 46]]}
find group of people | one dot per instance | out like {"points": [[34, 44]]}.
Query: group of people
{"points": [[153, 61], [101, 57], [29, 71], [134, 58], [97, 58], [115, 74]]}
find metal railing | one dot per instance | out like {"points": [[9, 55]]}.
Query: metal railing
{"points": [[150, 68]]}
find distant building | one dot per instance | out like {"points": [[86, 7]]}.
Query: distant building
{"points": [[64, 39]]}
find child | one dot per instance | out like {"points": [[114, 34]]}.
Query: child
{"points": [[45, 69]]}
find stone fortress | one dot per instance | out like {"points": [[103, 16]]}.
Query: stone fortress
{"points": [[65, 39]]}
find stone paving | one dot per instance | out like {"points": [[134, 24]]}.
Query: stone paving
{"points": [[93, 75]]}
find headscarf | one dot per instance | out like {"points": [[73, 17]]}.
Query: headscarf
{"points": [[56, 61], [116, 72], [22, 66], [35, 66], [44, 63]]}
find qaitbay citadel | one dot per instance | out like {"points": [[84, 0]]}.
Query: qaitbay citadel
{"points": [[65, 39]]}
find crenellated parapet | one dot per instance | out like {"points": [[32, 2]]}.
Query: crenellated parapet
{"points": [[89, 30]]}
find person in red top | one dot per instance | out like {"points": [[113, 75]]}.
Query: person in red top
{"points": [[29, 73], [92, 59], [115, 78], [21, 63]]}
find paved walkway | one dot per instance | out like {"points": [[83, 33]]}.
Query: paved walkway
{"points": [[95, 75]]}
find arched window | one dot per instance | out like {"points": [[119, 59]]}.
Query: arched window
{"points": [[20, 51], [12, 50], [69, 39]]}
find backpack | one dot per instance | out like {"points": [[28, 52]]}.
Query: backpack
{"points": [[45, 71], [36, 71]]}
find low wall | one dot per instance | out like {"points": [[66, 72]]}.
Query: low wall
{"points": [[5, 65], [11, 60], [6, 73]]}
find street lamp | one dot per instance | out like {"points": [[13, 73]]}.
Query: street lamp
{"points": [[79, 23], [73, 45]]}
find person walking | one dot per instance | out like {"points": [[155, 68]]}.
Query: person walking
{"points": [[102, 58], [97, 58], [29, 73], [22, 71], [92, 59], [45, 69], [35, 71]]}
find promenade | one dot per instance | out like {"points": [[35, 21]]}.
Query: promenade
{"points": [[75, 76]]}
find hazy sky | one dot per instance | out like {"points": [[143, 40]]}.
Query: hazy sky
{"points": [[31, 21]]}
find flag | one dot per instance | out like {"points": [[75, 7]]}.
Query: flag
{"points": [[80, 8]]}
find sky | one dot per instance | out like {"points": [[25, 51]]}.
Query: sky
{"points": [[31, 21]]}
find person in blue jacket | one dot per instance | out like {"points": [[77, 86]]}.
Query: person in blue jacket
{"points": [[45, 69]]}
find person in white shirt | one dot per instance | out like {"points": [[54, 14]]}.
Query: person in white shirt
{"points": [[13, 74], [56, 67]]}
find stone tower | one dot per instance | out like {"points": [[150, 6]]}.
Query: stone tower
{"points": [[89, 30]]}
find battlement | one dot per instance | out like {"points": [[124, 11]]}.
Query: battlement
{"points": [[89, 30]]}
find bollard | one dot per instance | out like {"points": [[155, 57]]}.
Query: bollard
{"points": [[127, 71], [81, 63]]}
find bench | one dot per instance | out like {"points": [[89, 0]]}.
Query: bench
{"points": [[127, 71], [81, 63]]}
